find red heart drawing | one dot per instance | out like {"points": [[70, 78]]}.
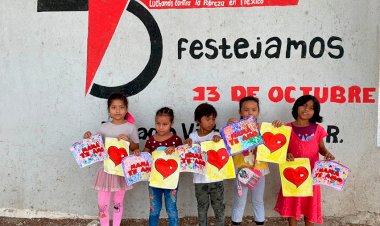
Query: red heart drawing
{"points": [[117, 154], [274, 141], [296, 176], [166, 167], [218, 158]]}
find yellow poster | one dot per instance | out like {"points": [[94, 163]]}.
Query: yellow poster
{"points": [[219, 164], [296, 178], [165, 170], [116, 150], [276, 142]]}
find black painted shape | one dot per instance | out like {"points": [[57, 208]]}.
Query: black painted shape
{"points": [[149, 72], [62, 5]]}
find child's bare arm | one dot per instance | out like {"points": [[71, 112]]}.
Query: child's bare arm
{"points": [[324, 152]]}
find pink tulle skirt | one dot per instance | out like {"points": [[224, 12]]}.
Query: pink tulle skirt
{"points": [[310, 207], [109, 182]]}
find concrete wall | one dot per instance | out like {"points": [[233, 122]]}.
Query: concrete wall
{"points": [[44, 109]]}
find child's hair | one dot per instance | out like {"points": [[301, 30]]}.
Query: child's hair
{"points": [[316, 106], [249, 98], [165, 111], [116, 96], [204, 109]]}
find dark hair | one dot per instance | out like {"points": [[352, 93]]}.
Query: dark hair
{"points": [[316, 105], [204, 109], [116, 96], [165, 111], [249, 98]]}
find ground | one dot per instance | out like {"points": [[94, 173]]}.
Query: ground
{"points": [[187, 221]]}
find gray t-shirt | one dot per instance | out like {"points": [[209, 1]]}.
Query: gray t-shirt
{"points": [[112, 130]]}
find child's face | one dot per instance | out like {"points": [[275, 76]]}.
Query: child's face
{"points": [[117, 110], [306, 111], [207, 123], [249, 108], [163, 124]]}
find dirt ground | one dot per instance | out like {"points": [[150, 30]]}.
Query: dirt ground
{"points": [[187, 221]]}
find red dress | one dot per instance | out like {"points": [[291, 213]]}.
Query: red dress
{"points": [[310, 207]]}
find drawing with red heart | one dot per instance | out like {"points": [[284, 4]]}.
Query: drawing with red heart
{"points": [[296, 176], [274, 141], [218, 158], [117, 154], [166, 167]]}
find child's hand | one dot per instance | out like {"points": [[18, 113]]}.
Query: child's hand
{"points": [[137, 152], [329, 156], [216, 138], [189, 142], [232, 120], [87, 135], [277, 123], [169, 150], [289, 157], [123, 137]]}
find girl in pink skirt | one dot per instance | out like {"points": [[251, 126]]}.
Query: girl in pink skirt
{"points": [[306, 141], [106, 183]]}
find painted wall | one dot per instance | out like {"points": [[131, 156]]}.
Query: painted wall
{"points": [[45, 109]]}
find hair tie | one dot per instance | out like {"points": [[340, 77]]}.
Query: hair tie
{"points": [[130, 118]]}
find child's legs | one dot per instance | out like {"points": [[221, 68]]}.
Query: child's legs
{"points": [[155, 197], [217, 202], [171, 206], [258, 202], [118, 204], [239, 204], [203, 202], [103, 206], [307, 222], [292, 221]]}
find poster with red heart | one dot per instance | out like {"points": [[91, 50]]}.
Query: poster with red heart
{"points": [[296, 180], [137, 168], [89, 151], [193, 159], [219, 165], [165, 170], [276, 142], [241, 135], [116, 150]]}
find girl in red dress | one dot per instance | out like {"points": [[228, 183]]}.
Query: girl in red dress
{"points": [[306, 141]]}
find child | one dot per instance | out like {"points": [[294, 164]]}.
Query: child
{"points": [[306, 141], [207, 190], [249, 106], [163, 137], [106, 183]]}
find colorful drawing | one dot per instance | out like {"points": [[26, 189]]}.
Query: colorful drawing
{"points": [[330, 173], [241, 135], [165, 169], [219, 164], [116, 150], [276, 142], [296, 178], [137, 168], [89, 151], [192, 159], [249, 177]]}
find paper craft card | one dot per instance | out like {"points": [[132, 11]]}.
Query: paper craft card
{"points": [[241, 135], [276, 142], [330, 173], [192, 159], [165, 169], [116, 150], [89, 151], [296, 178], [137, 168], [219, 165], [249, 177]]}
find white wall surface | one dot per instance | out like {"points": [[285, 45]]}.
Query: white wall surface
{"points": [[44, 109]]}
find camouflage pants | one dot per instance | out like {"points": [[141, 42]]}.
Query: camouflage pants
{"points": [[214, 193]]}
